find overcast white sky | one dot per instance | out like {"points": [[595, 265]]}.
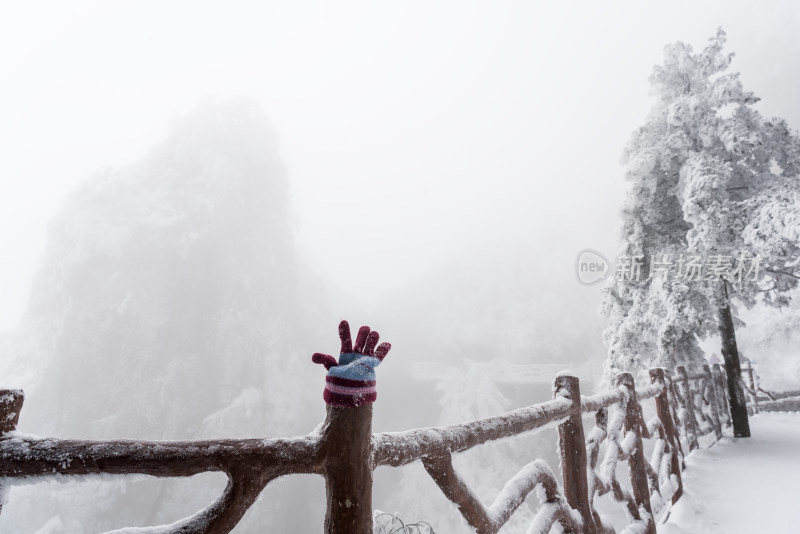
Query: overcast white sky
{"points": [[410, 129]]}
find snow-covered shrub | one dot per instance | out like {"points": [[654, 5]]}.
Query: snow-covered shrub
{"points": [[386, 523]]}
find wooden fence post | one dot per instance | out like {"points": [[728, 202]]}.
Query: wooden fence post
{"points": [[719, 375], [688, 405], [572, 449], [636, 461], [674, 405], [712, 401], [10, 407], [346, 454], [658, 376], [747, 370]]}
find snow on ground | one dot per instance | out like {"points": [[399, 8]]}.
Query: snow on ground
{"points": [[743, 486]]}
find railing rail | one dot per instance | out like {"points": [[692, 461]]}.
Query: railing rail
{"points": [[345, 452], [399, 448]]}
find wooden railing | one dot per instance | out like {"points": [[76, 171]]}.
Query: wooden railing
{"points": [[761, 400], [345, 452]]}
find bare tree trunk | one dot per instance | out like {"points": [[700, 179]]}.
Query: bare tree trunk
{"points": [[741, 424]]}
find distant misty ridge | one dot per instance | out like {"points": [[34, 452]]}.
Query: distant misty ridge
{"points": [[169, 295]]}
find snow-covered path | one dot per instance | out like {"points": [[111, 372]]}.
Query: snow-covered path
{"points": [[743, 486]]}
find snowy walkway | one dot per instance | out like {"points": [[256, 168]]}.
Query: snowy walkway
{"points": [[743, 486]]}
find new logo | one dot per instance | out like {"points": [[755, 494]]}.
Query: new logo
{"points": [[590, 266]]}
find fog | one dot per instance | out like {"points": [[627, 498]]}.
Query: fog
{"points": [[442, 125], [429, 170]]}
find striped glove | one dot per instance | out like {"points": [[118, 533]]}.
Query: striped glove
{"points": [[351, 380]]}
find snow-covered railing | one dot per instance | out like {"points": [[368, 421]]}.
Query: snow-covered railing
{"points": [[761, 400], [619, 433], [345, 452], [620, 425], [702, 403], [789, 403]]}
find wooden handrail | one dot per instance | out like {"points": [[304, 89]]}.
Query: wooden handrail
{"points": [[399, 448], [597, 402], [27, 456]]}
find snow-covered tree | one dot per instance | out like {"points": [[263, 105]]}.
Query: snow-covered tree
{"points": [[710, 216]]}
